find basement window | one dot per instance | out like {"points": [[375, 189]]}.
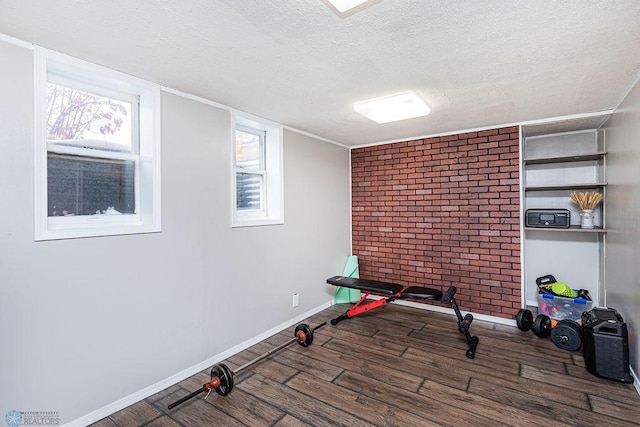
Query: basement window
{"points": [[257, 172], [97, 150]]}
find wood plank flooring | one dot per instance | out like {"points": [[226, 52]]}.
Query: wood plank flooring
{"points": [[399, 366]]}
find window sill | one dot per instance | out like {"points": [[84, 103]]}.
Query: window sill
{"points": [[60, 234], [256, 222]]}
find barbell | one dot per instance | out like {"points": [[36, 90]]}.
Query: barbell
{"points": [[222, 377]]}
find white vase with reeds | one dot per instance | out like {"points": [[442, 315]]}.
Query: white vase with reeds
{"points": [[587, 202]]}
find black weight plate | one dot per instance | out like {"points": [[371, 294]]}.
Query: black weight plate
{"points": [[542, 326], [524, 319], [308, 333], [225, 374], [567, 335]]}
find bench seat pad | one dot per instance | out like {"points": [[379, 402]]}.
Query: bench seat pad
{"points": [[373, 286], [419, 292]]}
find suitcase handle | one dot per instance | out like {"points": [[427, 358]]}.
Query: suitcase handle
{"points": [[545, 280]]}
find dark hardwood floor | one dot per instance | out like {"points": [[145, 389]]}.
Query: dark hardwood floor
{"points": [[399, 366]]}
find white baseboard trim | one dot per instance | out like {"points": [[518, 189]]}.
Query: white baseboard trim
{"points": [[129, 400], [636, 382], [432, 307], [483, 317]]}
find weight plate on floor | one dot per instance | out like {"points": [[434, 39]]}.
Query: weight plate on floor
{"points": [[542, 326], [524, 319], [225, 374], [567, 335], [308, 334]]}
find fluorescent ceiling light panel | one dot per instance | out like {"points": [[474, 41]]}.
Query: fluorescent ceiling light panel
{"points": [[344, 5], [401, 106]]}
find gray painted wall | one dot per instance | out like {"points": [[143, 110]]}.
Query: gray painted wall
{"points": [[86, 322], [622, 247]]}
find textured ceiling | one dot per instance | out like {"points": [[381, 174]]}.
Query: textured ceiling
{"points": [[299, 63]]}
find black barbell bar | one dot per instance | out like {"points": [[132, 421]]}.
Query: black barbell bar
{"points": [[222, 376]]}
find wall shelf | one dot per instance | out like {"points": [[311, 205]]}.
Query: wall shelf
{"points": [[554, 164], [572, 229], [566, 159], [555, 187]]}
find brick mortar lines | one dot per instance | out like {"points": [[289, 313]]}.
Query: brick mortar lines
{"points": [[442, 211]]}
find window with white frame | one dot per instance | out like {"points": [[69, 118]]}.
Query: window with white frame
{"points": [[257, 172], [97, 150]]}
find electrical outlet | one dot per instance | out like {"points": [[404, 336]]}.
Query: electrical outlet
{"points": [[296, 300]]}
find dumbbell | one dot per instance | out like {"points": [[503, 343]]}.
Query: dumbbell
{"points": [[541, 324], [566, 334]]}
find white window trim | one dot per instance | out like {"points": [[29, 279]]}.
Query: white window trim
{"points": [[148, 216], [273, 211]]}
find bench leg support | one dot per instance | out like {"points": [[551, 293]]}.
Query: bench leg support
{"points": [[463, 326], [362, 306]]}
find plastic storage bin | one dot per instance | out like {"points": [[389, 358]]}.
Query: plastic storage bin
{"points": [[560, 308]]}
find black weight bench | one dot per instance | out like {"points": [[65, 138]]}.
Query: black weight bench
{"points": [[392, 291]]}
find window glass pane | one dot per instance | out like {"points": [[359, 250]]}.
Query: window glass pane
{"points": [[83, 119], [249, 191], [80, 185], [248, 150]]}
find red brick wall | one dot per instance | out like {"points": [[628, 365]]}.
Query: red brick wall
{"points": [[442, 211]]}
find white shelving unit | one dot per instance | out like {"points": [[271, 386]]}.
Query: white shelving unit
{"points": [[555, 163]]}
